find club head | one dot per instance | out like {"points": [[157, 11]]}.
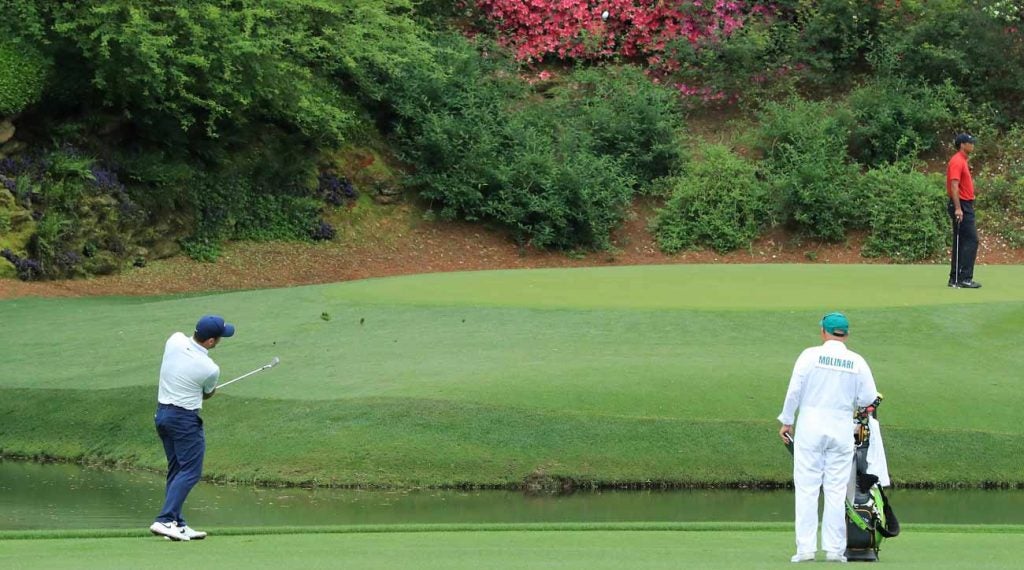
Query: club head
{"points": [[274, 362]]}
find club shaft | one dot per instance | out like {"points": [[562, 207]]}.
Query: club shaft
{"points": [[246, 375]]}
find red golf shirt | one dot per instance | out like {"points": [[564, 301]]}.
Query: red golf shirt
{"points": [[958, 170]]}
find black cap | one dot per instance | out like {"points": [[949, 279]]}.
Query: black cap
{"points": [[963, 138]]}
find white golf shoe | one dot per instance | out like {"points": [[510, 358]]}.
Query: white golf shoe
{"points": [[835, 557], [802, 557], [192, 534], [169, 530]]}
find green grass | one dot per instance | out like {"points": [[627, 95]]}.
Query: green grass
{"points": [[528, 546], [657, 373]]}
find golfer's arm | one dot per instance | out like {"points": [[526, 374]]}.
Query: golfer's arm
{"points": [[212, 383], [955, 196]]}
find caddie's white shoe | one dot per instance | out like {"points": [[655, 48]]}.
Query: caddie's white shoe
{"points": [[835, 557], [192, 533], [169, 530], [802, 557]]}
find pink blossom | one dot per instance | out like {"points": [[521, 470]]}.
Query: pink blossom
{"points": [[565, 29]]}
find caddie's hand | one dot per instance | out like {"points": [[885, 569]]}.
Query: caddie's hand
{"points": [[959, 215], [785, 432]]}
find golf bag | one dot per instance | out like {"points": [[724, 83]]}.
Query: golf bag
{"points": [[869, 515]]}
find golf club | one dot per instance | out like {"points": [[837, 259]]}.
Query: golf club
{"points": [[272, 364], [956, 255]]}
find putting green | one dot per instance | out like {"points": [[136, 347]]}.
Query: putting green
{"points": [[652, 373]]}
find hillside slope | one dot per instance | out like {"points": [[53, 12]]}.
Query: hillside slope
{"points": [[396, 240]]}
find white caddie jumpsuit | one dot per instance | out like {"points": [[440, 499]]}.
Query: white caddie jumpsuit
{"points": [[827, 382]]}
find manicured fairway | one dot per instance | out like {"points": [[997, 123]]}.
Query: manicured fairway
{"points": [[502, 549], [656, 373]]}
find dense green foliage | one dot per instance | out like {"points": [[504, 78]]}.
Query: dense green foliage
{"points": [[222, 117], [210, 65], [907, 214], [804, 146], [895, 119], [218, 110], [557, 167], [720, 202], [971, 44], [23, 71], [1003, 207]]}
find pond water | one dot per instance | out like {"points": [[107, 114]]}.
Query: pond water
{"points": [[53, 496]]}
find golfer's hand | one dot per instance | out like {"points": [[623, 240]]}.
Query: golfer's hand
{"points": [[959, 215], [784, 431]]}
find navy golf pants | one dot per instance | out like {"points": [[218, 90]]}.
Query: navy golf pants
{"points": [[965, 243], [181, 431]]}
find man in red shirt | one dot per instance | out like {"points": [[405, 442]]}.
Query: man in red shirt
{"points": [[960, 189]]}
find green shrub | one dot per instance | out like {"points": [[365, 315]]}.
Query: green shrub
{"points": [[804, 149], [896, 119], [974, 45], [1001, 206], [719, 203], [834, 36], [908, 218], [549, 202], [210, 65], [201, 248], [557, 169], [453, 129], [23, 72], [754, 63], [264, 192], [1003, 154], [628, 116], [799, 123], [243, 209]]}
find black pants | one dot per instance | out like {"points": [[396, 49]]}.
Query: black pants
{"points": [[965, 243]]}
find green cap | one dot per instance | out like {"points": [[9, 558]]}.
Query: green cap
{"points": [[835, 324]]}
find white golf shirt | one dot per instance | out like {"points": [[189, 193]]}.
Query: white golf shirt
{"points": [[186, 373], [829, 379]]}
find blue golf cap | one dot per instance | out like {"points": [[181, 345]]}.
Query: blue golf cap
{"points": [[835, 324], [212, 326]]}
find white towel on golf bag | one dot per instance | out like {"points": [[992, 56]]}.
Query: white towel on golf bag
{"points": [[877, 465]]}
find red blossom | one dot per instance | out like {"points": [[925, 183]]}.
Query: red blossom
{"points": [[574, 29]]}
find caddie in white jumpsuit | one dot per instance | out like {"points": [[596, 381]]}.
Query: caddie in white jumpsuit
{"points": [[828, 382]]}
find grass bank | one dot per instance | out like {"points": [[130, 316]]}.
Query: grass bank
{"points": [[657, 374]]}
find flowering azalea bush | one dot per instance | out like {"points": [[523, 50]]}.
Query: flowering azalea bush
{"points": [[589, 29]]}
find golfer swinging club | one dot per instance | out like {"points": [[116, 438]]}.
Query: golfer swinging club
{"points": [[827, 382], [187, 377]]}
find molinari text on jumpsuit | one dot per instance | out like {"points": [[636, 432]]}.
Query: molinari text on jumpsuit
{"points": [[826, 361]]}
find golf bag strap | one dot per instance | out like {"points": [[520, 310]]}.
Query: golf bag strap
{"points": [[891, 527]]}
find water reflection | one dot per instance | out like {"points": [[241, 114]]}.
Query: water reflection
{"points": [[36, 496]]}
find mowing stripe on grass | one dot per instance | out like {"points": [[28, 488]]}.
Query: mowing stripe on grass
{"points": [[563, 550], [499, 527], [411, 442]]}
